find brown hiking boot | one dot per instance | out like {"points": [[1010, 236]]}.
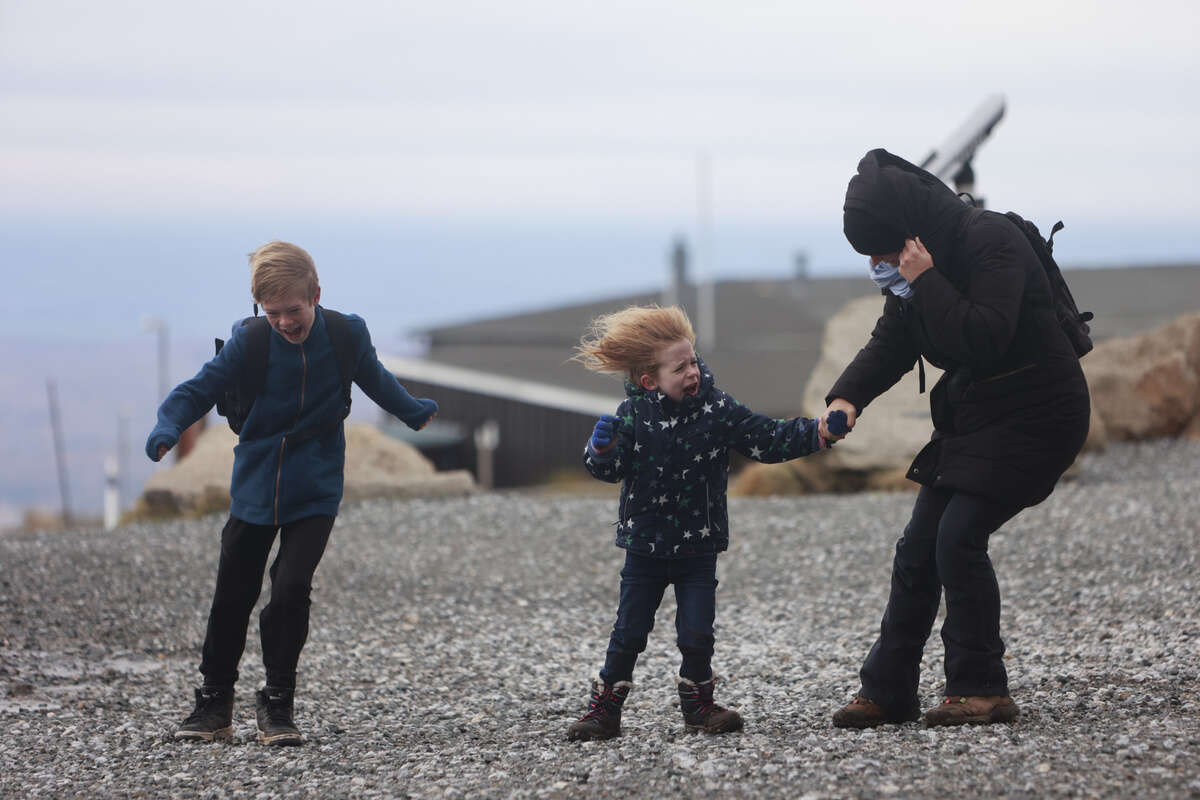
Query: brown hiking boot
{"points": [[603, 717], [862, 713], [959, 710], [700, 713]]}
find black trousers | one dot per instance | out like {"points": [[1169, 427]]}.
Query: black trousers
{"points": [[944, 546], [283, 623]]}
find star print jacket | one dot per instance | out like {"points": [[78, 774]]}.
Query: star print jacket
{"points": [[674, 461]]}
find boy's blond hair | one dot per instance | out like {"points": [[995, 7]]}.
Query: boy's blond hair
{"points": [[628, 342], [280, 270]]}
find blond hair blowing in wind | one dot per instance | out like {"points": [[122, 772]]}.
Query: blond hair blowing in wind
{"points": [[627, 342]]}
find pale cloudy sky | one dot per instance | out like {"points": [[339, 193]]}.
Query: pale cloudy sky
{"points": [[571, 109]]}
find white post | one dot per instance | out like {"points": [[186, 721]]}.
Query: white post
{"points": [[487, 439], [112, 494]]}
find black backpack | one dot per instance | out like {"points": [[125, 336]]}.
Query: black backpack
{"points": [[1073, 321], [235, 404]]}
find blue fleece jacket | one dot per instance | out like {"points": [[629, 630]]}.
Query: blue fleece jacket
{"points": [[276, 481]]}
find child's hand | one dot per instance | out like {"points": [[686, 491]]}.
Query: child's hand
{"points": [[843, 414], [605, 434]]}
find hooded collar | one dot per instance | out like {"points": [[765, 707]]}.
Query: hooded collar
{"points": [[903, 199], [689, 402]]}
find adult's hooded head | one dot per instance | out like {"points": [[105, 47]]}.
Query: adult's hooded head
{"points": [[890, 200]]}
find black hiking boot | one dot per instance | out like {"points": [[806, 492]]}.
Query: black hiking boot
{"points": [[273, 708], [701, 713], [603, 717], [212, 718]]}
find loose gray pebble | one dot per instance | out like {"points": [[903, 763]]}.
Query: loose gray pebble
{"points": [[452, 641]]}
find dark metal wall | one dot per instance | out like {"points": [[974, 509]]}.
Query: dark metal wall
{"points": [[535, 442]]}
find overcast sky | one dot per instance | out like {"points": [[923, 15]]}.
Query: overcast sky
{"points": [[529, 107]]}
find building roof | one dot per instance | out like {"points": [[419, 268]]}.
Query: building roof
{"points": [[768, 332]]}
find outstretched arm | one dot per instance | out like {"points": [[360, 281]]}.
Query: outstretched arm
{"points": [[379, 384], [191, 400], [770, 440]]}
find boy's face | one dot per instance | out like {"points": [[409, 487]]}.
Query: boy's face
{"points": [[292, 316], [678, 373]]}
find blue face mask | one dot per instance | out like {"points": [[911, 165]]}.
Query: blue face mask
{"points": [[887, 276]]}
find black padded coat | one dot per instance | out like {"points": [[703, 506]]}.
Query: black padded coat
{"points": [[1011, 411]]}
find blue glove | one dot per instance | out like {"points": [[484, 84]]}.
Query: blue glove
{"points": [[836, 422], [605, 434]]}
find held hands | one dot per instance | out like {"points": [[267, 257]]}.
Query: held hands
{"points": [[838, 420], [914, 260], [605, 434]]}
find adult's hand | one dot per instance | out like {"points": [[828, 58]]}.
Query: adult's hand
{"points": [[838, 404], [914, 259]]}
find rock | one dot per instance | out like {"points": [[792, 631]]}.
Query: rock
{"points": [[1147, 386], [1192, 431], [377, 465]]}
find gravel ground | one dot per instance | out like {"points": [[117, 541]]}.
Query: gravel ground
{"points": [[452, 641]]}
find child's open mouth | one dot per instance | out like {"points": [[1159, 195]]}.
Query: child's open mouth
{"points": [[691, 388]]}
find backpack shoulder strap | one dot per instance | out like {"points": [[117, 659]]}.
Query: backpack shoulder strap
{"points": [[258, 348], [343, 349]]}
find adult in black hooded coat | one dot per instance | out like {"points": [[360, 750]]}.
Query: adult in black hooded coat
{"points": [[1010, 414]]}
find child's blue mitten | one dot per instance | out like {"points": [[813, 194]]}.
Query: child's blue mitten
{"points": [[836, 423], [605, 434]]}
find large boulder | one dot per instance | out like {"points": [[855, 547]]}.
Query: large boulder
{"points": [[1148, 386], [377, 465]]}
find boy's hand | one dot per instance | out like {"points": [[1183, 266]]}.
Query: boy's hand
{"points": [[841, 408], [426, 422], [158, 445], [605, 434]]}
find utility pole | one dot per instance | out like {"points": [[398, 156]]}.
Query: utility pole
{"points": [[706, 283], [60, 458]]}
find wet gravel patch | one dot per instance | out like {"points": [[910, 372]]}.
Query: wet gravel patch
{"points": [[452, 640]]}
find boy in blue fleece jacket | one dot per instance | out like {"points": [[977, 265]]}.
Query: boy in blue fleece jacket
{"points": [[287, 480], [669, 444]]}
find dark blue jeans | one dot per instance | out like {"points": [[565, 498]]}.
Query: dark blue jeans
{"points": [[944, 546], [643, 582]]}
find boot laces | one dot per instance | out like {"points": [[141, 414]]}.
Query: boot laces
{"points": [[601, 704], [277, 710], [207, 702]]}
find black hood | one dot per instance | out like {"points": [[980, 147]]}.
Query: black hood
{"points": [[890, 200]]}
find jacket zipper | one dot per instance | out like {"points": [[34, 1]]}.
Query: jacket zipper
{"points": [[283, 441], [707, 509]]}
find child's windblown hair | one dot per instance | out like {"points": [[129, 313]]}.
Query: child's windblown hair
{"points": [[281, 270], [628, 341]]}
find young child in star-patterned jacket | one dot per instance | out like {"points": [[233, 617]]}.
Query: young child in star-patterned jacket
{"points": [[669, 445]]}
